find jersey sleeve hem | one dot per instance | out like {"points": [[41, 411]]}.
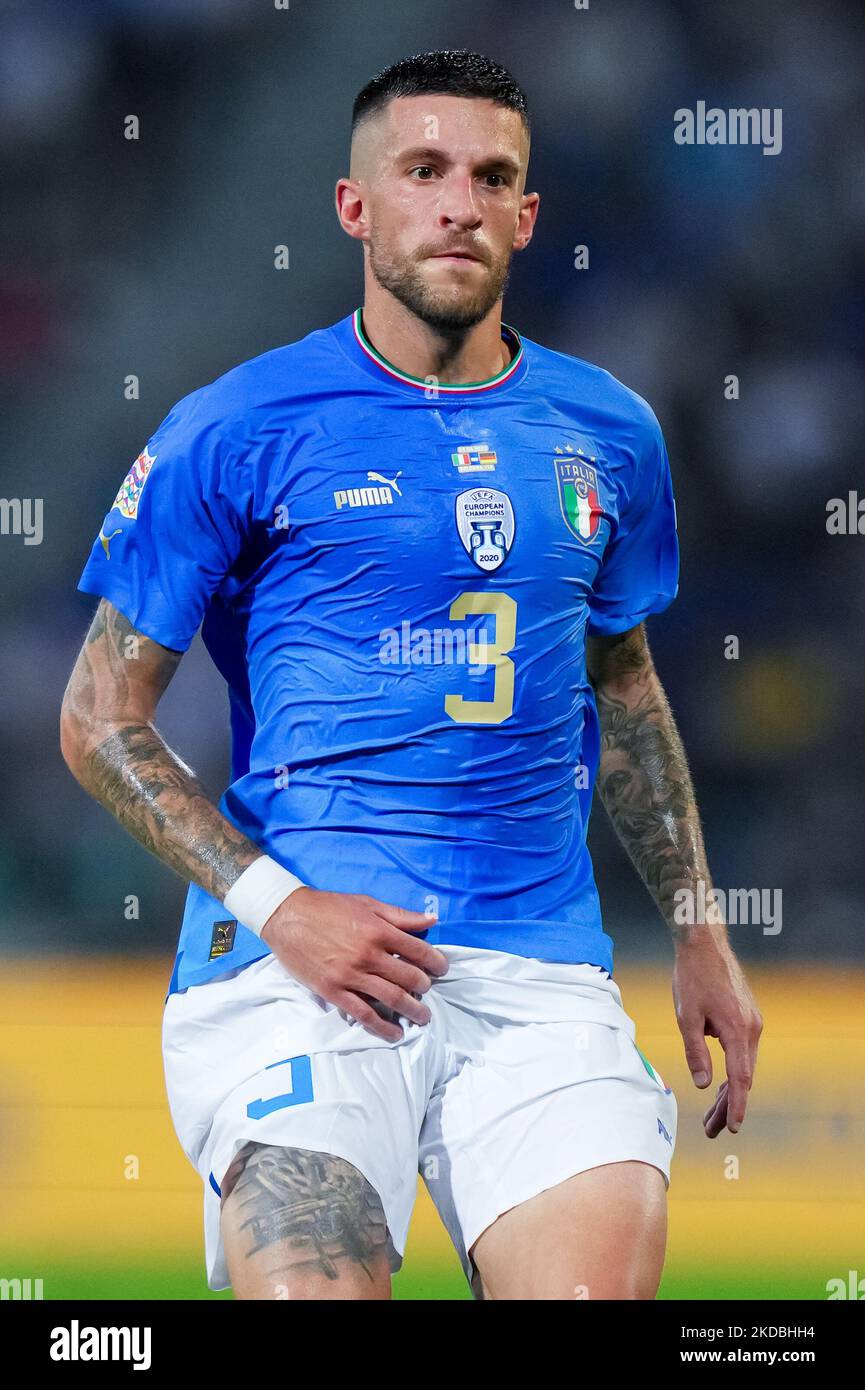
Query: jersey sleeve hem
{"points": [[157, 631], [611, 624]]}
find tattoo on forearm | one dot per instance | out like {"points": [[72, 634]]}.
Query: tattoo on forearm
{"points": [[161, 802], [320, 1205], [643, 778], [129, 768]]}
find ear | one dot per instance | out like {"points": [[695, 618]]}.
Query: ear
{"points": [[350, 208], [526, 222]]}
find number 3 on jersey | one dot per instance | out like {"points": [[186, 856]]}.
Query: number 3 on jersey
{"points": [[493, 653]]}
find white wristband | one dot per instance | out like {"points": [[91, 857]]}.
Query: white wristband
{"points": [[258, 892]]}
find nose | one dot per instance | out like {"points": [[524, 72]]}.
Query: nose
{"points": [[457, 206]]}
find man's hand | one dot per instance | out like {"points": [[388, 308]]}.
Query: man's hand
{"points": [[357, 952], [712, 999]]}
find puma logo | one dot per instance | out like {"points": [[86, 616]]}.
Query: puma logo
{"points": [[389, 482], [106, 540]]}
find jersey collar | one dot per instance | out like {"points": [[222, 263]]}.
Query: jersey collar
{"points": [[379, 365]]}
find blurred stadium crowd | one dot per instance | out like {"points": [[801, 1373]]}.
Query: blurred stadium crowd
{"points": [[154, 257]]}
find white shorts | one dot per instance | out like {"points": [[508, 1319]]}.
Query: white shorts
{"points": [[527, 1073]]}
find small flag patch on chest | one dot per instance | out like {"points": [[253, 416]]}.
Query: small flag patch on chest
{"points": [[474, 458]]}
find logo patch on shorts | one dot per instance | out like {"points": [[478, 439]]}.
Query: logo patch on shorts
{"points": [[653, 1072], [222, 940], [662, 1129]]}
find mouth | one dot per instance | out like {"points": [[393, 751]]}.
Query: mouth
{"points": [[455, 256]]}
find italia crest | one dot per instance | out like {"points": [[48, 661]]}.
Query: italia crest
{"points": [[129, 493], [579, 498]]}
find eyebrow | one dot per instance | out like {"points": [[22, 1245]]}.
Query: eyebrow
{"points": [[420, 153]]}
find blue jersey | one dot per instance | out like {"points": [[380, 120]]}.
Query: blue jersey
{"points": [[396, 579]]}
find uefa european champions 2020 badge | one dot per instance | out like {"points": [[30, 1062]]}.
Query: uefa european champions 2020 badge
{"points": [[486, 525]]}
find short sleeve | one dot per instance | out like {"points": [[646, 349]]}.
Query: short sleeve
{"points": [[176, 526], [639, 574]]}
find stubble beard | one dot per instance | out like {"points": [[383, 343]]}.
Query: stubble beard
{"points": [[441, 309]]}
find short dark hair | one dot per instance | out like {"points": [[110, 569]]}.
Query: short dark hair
{"points": [[456, 72]]}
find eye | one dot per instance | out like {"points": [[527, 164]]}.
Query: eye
{"points": [[425, 168], [501, 180]]}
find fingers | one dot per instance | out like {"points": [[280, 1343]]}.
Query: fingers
{"points": [[363, 1011], [400, 923], [368, 995], [401, 916], [400, 972], [420, 953], [728, 1110], [390, 980], [362, 955], [740, 1075], [394, 998], [697, 1053], [715, 1118]]}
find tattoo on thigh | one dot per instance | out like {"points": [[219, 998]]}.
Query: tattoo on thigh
{"points": [[320, 1204]]}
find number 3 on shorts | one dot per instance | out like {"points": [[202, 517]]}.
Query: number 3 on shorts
{"points": [[301, 1089]]}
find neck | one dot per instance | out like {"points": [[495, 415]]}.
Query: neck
{"points": [[422, 351]]}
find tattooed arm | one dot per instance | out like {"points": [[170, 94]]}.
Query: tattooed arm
{"points": [[354, 951], [111, 746], [644, 782], [643, 778]]}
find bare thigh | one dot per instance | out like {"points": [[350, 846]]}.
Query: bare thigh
{"points": [[600, 1234], [301, 1224]]}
